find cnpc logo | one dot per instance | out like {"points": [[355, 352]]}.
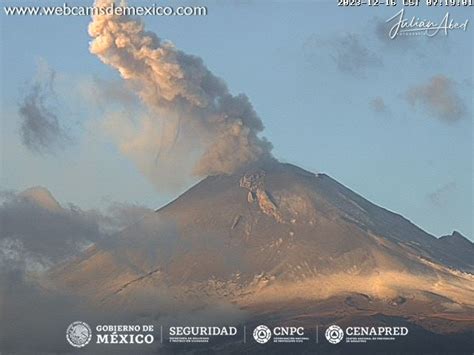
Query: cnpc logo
{"points": [[262, 334]]}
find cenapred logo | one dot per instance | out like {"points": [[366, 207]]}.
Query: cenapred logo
{"points": [[262, 334], [334, 334], [78, 334]]}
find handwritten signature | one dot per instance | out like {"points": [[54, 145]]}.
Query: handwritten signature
{"points": [[426, 27]]}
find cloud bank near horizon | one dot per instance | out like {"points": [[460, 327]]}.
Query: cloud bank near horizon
{"points": [[37, 232]]}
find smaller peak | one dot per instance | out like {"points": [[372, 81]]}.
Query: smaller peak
{"points": [[456, 234], [42, 197], [456, 237]]}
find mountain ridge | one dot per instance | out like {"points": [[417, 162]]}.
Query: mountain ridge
{"points": [[268, 224]]}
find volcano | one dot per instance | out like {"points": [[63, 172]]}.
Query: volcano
{"points": [[282, 244]]}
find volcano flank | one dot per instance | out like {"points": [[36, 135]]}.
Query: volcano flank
{"points": [[287, 245]]}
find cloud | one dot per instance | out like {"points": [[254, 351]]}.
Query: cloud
{"points": [[40, 129], [377, 104], [438, 97], [348, 52], [119, 215], [37, 232], [441, 195], [192, 118]]}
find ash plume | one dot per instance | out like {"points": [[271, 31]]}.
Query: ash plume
{"points": [[192, 108]]}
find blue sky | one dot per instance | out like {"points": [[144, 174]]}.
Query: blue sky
{"points": [[330, 89]]}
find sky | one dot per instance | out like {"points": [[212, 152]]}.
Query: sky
{"points": [[390, 119]]}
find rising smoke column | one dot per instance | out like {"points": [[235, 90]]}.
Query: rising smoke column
{"points": [[179, 88]]}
